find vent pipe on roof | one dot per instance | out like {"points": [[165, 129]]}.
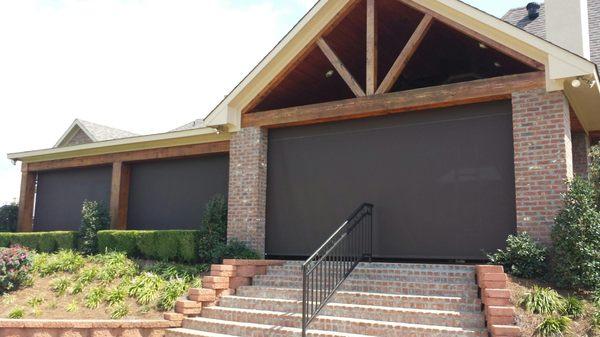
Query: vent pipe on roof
{"points": [[533, 10], [567, 25]]}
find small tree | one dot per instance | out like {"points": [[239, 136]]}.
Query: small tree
{"points": [[94, 217], [213, 233], [8, 217], [576, 239]]}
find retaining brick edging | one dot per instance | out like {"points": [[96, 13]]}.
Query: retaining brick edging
{"points": [[83, 328], [224, 279], [500, 314]]}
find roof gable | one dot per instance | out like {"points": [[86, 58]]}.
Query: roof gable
{"points": [[560, 64], [83, 132]]}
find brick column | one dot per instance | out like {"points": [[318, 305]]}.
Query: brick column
{"points": [[248, 188], [581, 153], [543, 159]]}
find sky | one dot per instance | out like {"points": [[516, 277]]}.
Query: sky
{"points": [[145, 66]]}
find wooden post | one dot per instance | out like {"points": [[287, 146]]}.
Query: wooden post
{"points": [[119, 195], [371, 48], [26, 199]]}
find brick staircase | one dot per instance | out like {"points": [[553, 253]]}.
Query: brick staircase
{"points": [[378, 299]]}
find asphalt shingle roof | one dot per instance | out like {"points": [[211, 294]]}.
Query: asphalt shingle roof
{"points": [[103, 132]]}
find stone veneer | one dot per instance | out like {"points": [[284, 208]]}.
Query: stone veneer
{"points": [[248, 188], [581, 153], [543, 158]]}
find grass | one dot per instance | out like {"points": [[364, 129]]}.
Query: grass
{"points": [[566, 313], [103, 286]]}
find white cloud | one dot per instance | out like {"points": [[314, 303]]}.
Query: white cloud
{"points": [[145, 66]]}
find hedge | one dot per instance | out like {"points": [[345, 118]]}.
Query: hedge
{"points": [[162, 245], [46, 242]]}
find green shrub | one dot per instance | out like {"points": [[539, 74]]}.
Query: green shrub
{"points": [[523, 257], [553, 326], [8, 217], [595, 322], [66, 261], [596, 298], [543, 301], [94, 217], [161, 245], [576, 239], [145, 288], [236, 250], [572, 307], [170, 271], [172, 290], [16, 313], [213, 234], [120, 310], [44, 242]]}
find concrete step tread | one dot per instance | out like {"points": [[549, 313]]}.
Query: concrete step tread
{"points": [[370, 294], [379, 278], [370, 308], [273, 327], [392, 265], [193, 332], [364, 322]]}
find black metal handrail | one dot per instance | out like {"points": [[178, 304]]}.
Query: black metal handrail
{"points": [[332, 263]]}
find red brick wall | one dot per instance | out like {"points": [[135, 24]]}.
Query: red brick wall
{"points": [[581, 149], [248, 187], [543, 158]]}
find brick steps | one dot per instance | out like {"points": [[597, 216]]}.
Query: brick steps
{"points": [[387, 314], [380, 286], [379, 299], [395, 275], [366, 298], [330, 323], [244, 329]]}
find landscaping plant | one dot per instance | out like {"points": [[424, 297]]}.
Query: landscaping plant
{"points": [[236, 250], [542, 301], [576, 239], [15, 264], [8, 217], [553, 326], [16, 313], [213, 234], [523, 257], [94, 217], [573, 307]]}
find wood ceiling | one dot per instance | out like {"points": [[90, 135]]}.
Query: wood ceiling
{"points": [[436, 54]]}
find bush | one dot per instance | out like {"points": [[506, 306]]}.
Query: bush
{"points": [[44, 242], [15, 264], [236, 250], [573, 307], [553, 326], [542, 301], [8, 217], [213, 234], [162, 245], [576, 239], [94, 217], [66, 261], [523, 257]]}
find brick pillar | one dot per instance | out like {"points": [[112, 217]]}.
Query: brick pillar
{"points": [[248, 188], [581, 153], [543, 159]]}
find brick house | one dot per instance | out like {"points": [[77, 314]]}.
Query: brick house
{"points": [[460, 128]]}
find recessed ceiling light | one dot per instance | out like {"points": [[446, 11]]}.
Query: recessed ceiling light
{"points": [[497, 64], [482, 46], [329, 73], [576, 83]]}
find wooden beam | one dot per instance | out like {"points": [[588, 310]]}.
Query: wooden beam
{"points": [[119, 195], [133, 156], [476, 35], [405, 55], [411, 100], [26, 199], [340, 68], [371, 86]]}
